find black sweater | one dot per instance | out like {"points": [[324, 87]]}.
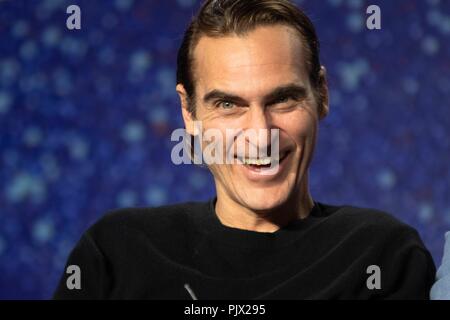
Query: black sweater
{"points": [[157, 253]]}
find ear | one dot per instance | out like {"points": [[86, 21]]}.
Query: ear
{"points": [[188, 117], [323, 94]]}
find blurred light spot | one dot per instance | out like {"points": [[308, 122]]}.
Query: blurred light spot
{"points": [[445, 25], [439, 20], [5, 102], [47, 7], [106, 55], [140, 62], [28, 50], [133, 132], [430, 45], [434, 17], [386, 179], [52, 5], [50, 166], [9, 69], [126, 198], [19, 29], [73, 47], [355, 22], [43, 231], [355, 4], [32, 136], [158, 115], [425, 212], [447, 216], [410, 85], [434, 2], [123, 5], [155, 196], [62, 82], [186, 3], [2, 246], [335, 97], [51, 36], [352, 72], [166, 79], [25, 186], [335, 3], [79, 148], [197, 180]]}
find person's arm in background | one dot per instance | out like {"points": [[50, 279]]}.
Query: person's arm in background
{"points": [[441, 288], [408, 271]]}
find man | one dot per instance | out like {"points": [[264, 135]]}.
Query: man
{"points": [[252, 65], [441, 288]]}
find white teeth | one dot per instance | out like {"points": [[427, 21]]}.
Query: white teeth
{"points": [[275, 160], [258, 162], [262, 161]]}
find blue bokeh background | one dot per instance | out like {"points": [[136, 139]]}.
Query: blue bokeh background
{"points": [[86, 117]]}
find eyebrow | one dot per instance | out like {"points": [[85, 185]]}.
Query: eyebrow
{"points": [[291, 90]]}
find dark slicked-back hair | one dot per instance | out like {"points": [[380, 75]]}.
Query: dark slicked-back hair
{"points": [[219, 18]]}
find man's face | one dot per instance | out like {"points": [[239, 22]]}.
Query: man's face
{"points": [[258, 81]]}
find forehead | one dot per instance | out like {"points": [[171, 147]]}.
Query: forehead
{"points": [[264, 57]]}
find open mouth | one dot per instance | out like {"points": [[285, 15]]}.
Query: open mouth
{"points": [[263, 163]]}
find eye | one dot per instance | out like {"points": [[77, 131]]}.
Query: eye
{"points": [[225, 104], [282, 100]]}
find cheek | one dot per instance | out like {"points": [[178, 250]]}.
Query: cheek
{"points": [[299, 128], [223, 130], [216, 144]]}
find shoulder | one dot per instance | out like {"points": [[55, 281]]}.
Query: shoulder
{"points": [[370, 221], [148, 221], [152, 214], [376, 234]]}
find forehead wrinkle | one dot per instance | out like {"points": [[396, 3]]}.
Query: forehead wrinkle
{"points": [[253, 61], [256, 44], [263, 64]]}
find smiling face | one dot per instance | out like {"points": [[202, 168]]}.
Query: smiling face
{"points": [[257, 81]]}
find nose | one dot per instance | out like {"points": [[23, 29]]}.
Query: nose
{"points": [[259, 125], [258, 118]]}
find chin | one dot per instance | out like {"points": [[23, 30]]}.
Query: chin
{"points": [[265, 200]]}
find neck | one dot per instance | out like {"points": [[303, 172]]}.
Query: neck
{"points": [[236, 215]]}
